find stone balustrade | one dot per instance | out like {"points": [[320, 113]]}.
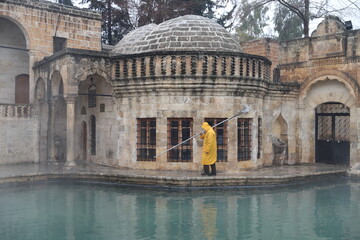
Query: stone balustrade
{"points": [[15, 111], [196, 65]]}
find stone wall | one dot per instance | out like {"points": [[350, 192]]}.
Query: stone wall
{"points": [[19, 140], [178, 105], [107, 129], [266, 47], [41, 21]]}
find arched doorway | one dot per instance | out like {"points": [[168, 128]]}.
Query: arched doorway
{"points": [[332, 131]]}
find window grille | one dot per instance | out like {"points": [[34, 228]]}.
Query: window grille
{"points": [[180, 129], [59, 44], [93, 134], [221, 137], [244, 139], [146, 139], [92, 95], [259, 137], [102, 107]]}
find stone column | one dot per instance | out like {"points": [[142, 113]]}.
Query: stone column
{"points": [[70, 130], [51, 129]]}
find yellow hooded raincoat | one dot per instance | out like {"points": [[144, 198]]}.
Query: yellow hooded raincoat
{"points": [[209, 154]]}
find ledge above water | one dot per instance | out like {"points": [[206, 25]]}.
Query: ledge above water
{"points": [[22, 173]]}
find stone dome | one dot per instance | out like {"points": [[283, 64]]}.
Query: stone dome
{"points": [[185, 33]]}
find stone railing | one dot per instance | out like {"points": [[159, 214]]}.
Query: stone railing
{"points": [[197, 65], [15, 111]]}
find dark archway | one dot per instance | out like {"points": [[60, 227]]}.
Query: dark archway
{"points": [[332, 131]]}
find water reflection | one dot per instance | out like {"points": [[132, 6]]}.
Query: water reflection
{"points": [[87, 211]]}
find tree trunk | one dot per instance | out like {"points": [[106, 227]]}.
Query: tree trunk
{"points": [[109, 22], [306, 20]]}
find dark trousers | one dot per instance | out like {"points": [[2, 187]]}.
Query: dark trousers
{"points": [[207, 169]]}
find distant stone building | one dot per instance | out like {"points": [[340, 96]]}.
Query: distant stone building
{"points": [[63, 98]]}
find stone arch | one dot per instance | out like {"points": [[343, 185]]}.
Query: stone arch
{"points": [[40, 90], [57, 86], [319, 90], [328, 90], [93, 71], [22, 25], [279, 140], [280, 128], [349, 82]]}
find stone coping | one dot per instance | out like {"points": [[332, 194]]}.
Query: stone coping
{"points": [[267, 176]]}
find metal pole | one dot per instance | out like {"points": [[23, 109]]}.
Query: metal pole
{"points": [[244, 111]]}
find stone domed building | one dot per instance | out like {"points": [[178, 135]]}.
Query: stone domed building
{"points": [[171, 77], [70, 99]]}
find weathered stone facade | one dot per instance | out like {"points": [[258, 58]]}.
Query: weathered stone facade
{"points": [[28, 30], [157, 86]]}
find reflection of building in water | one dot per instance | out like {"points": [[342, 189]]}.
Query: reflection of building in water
{"points": [[64, 97]]}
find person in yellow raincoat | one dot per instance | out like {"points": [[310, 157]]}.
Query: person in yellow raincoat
{"points": [[209, 154]]}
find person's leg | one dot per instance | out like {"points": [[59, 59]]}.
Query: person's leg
{"points": [[213, 170], [206, 170]]}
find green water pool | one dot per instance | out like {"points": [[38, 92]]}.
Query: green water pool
{"points": [[84, 211]]}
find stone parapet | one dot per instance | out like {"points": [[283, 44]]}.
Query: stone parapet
{"points": [[190, 71], [15, 111], [192, 64]]}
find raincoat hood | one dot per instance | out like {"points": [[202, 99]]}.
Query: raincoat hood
{"points": [[205, 126]]}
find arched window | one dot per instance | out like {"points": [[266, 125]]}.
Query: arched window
{"points": [[92, 94], [93, 134], [276, 75], [83, 110], [22, 89]]}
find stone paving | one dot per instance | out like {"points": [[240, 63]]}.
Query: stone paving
{"points": [[263, 176]]}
